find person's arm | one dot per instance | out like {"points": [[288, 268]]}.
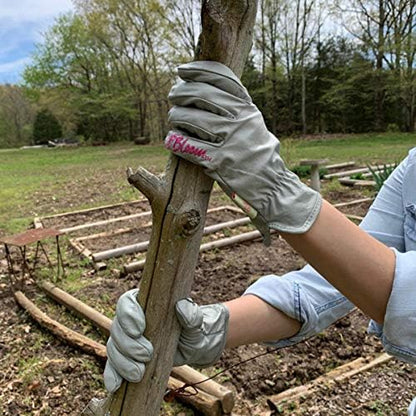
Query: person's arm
{"points": [[355, 263], [358, 265]]}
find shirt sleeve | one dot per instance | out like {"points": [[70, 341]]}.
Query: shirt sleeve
{"points": [[303, 295], [398, 334], [306, 296]]}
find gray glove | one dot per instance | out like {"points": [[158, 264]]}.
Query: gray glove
{"points": [[201, 342], [203, 335], [217, 126], [127, 349]]}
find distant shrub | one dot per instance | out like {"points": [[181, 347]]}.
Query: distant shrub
{"points": [[393, 128], [46, 127], [304, 171]]}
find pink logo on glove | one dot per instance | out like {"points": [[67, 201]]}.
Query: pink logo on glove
{"points": [[179, 144]]}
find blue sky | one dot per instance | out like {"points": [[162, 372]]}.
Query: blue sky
{"points": [[22, 23]]}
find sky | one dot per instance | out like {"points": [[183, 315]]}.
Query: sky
{"points": [[22, 23]]}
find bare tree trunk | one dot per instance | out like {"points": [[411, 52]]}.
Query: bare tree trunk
{"points": [[179, 202]]}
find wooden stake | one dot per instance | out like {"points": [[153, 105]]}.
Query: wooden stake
{"points": [[179, 203]]}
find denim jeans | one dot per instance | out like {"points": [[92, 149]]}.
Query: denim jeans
{"points": [[306, 296]]}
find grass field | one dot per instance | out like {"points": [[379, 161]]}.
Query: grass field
{"points": [[44, 181]]}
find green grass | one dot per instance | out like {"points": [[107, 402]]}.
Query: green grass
{"points": [[44, 181]]}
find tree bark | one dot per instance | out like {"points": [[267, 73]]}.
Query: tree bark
{"points": [[179, 202]]}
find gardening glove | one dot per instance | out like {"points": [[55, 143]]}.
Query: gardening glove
{"points": [[203, 335], [217, 126], [127, 349], [201, 341]]}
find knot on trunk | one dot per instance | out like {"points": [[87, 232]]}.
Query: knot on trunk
{"points": [[189, 222]]}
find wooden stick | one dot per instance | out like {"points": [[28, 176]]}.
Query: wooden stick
{"points": [[340, 165], [179, 204], [189, 375], [88, 210], [138, 247], [356, 182], [355, 202], [105, 234], [75, 305], [339, 374], [105, 222], [353, 171], [203, 402], [223, 242], [80, 249], [71, 337]]}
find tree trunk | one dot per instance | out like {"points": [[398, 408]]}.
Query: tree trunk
{"points": [[179, 202]]}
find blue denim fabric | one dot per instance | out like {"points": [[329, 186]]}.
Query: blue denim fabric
{"points": [[306, 296]]}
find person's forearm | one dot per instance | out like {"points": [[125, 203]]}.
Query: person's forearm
{"points": [[253, 320], [355, 263]]}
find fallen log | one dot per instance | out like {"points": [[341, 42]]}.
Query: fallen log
{"points": [[202, 401], [79, 308], [61, 331]]}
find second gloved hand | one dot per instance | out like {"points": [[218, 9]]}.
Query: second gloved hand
{"points": [[217, 126], [201, 342]]}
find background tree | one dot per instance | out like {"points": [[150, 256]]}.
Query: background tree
{"points": [[46, 127]]}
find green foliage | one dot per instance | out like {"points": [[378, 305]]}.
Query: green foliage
{"points": [[381, 173], [46, 127], [304, 171], [357, 176]]}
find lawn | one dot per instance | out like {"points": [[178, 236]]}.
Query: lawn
{"points": [[45, 181]]}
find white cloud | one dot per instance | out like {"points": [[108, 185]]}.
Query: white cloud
{"points": [[14, 66], [33, 10], [22, 23]]}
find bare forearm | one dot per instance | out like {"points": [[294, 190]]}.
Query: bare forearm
{"points": [[359, 266], [253, 320]]}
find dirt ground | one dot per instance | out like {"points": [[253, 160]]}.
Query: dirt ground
{"points": [[40, 375]]}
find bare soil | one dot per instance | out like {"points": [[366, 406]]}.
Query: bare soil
{"points": [[40, 375]]}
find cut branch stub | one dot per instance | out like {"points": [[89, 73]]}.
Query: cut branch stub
{"points": [[150, 185]]}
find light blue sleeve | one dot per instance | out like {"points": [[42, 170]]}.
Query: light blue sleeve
{"points": [[306, 296]]}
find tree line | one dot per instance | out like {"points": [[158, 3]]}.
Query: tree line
{"points": [[104, 70]]}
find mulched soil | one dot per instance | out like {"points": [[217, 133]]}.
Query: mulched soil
{"points": [[39, 375]]}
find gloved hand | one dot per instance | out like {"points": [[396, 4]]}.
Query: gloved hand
{"points": [[217, 126], [201, 342]]}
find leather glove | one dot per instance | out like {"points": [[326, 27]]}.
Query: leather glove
{"points": [[201, 341], [127, 349], [217, 126], [203, 335]]}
